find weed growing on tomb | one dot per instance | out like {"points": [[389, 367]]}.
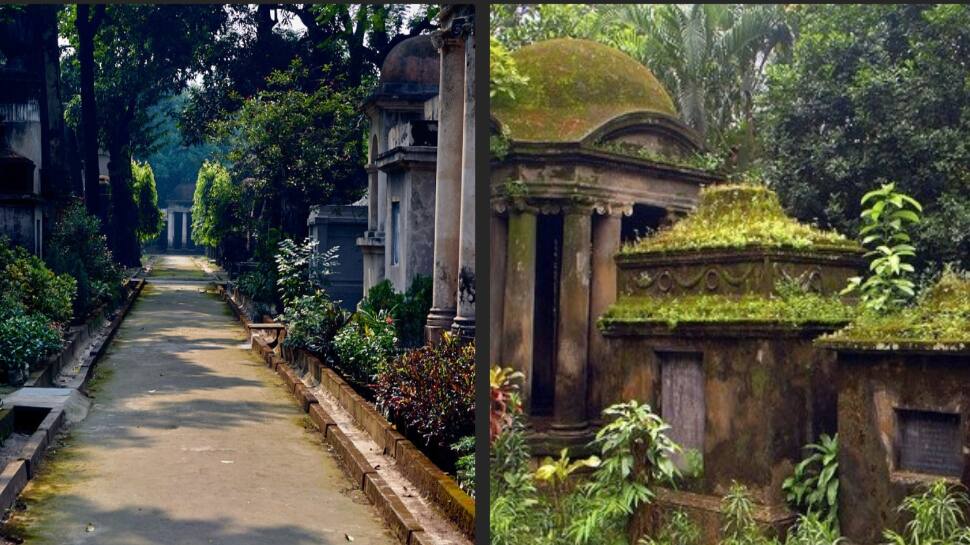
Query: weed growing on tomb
{"points": [[814, 487], [886, 221], [938, 517], [940, 318], [739, 216], [679, 529]]}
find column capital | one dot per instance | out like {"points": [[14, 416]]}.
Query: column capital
{"points": [[444, 40]]}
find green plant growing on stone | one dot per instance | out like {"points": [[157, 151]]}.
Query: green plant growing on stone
{"points": [[811, 530], [814, 487], [465, 466], [937, 517], [679, 529], [884, 231], [738, 525]]}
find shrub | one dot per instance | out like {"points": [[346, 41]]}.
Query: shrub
{"points": [[312, 322], [409, 309], [258, 285], [814, 487], [24, 340], [364, 345], [27, 283], [431, 390], [77, 247], [146, 201], [300, 270]]}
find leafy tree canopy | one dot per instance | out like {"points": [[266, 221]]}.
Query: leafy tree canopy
{"points": [[875, 94]]}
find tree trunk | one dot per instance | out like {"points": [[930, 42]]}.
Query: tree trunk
{"points": [[86, 29], [56, 181], [122, 236]]}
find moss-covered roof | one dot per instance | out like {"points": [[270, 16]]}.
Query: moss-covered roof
{"points": [[940, 319], [739, 216], [574, 87], [794, 309]]}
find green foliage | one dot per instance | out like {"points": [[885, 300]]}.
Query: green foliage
{"points": [[874, 92], [504, 78], [146, 200], [814, 488], [679, 529], [24, 340], [885, 232], [940, 317], [431, 390], [77, 247], [738, 216], [215, 206], [634, 455], [312, 322], [364, 346], [794, 308], [465, 449], [409, 309], [812, 530], [938, 517], [258, 285], [738, 526], [300, 269], [27, 284]]}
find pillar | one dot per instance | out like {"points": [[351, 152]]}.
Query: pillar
{"points": [[569, 407], [606, 244], [171, 227], [185, 231], [371, 197], [447, 212], [519, 295], [464, 324], [498, 237]]}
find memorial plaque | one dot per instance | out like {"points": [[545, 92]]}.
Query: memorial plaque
{"points": [[929, 442], [682, 404]]}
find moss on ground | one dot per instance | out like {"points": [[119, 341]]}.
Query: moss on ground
{"points": [[941, 316], [739, 216], [575, 86], [790, 309]]}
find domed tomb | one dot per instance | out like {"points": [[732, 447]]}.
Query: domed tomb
{"points": [[410, 68], [574, 87]]}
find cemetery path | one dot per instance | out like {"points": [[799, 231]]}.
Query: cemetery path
{"points": [[191, 440]]}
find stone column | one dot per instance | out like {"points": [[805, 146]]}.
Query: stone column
{"points": [[171, 228], [185, 231], [606, 244], [569, 407], [498, 242], [371, 197], [447, 185], [519, 295], [464, 324]]}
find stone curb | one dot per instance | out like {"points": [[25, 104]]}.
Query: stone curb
{"points": [[18, 472]]}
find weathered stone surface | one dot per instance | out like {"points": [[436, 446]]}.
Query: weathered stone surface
{"points": [[873, 388], [13, 479], [401, 520]]}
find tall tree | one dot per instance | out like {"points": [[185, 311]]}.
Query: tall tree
{"points": [[142, 53], [87, 22], [875, 93]]}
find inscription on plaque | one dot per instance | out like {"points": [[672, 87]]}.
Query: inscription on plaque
{"points": [[929, 442]]}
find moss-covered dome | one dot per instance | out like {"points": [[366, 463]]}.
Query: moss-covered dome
{"points": [[574, 87], [740, 216]]}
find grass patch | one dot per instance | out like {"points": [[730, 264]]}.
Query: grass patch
{"points": [[792, 309], [941, 316], [738, 216]]}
